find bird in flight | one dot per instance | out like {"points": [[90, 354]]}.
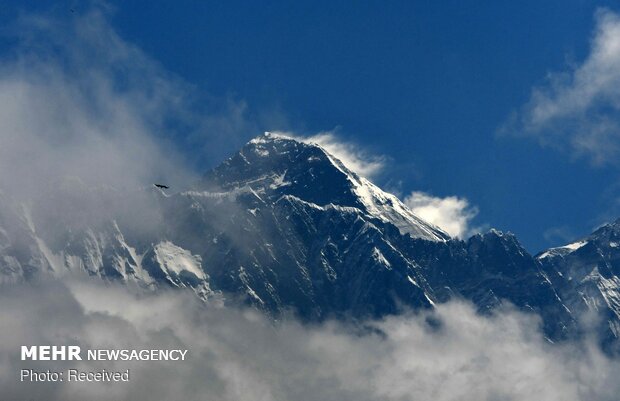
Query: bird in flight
{"points": [[161, 186]]}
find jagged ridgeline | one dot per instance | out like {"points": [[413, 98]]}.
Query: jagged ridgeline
{"points": [[284, 225]]}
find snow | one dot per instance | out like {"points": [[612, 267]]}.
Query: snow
{"points": [[55, 261], [278, 181], [371, 200], [430, 301], [609, 288], [389, 208], [341, 209], [575, 245], [176, 260], [261, 152], [243, 276], [563, 250], [214, 195], [378, 256], [548, 253]]}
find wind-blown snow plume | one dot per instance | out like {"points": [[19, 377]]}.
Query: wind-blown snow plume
{"points": [[351, 155]]}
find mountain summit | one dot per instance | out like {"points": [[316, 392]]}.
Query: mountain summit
{"points": [[275, 165]]}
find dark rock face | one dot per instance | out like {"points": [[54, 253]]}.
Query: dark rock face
{"points": [[586, 275], [283, 225]]}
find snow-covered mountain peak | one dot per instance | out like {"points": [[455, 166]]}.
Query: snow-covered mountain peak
{"points": [[275, 165]]}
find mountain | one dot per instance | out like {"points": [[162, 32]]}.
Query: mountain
{"points": [[275, 166], [587, 275], [284, 225]]}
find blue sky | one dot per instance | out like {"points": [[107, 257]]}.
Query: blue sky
{"points": [[448, 94]]}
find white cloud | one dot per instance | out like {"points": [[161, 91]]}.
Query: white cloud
{"points": [[240, 355], [579, 109], [77, 100], [452, 214], [87, 120], [354, 157]]}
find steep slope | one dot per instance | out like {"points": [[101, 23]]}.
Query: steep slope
{"points": [[587, 274], [276, 165]]}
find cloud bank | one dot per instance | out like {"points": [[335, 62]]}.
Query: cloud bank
{"points": [[88, 121], [239, 355], [579, 109], [78, 101], [452, 214]]}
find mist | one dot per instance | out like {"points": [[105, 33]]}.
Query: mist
{"points": [[236, 354], [89, 122]]}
